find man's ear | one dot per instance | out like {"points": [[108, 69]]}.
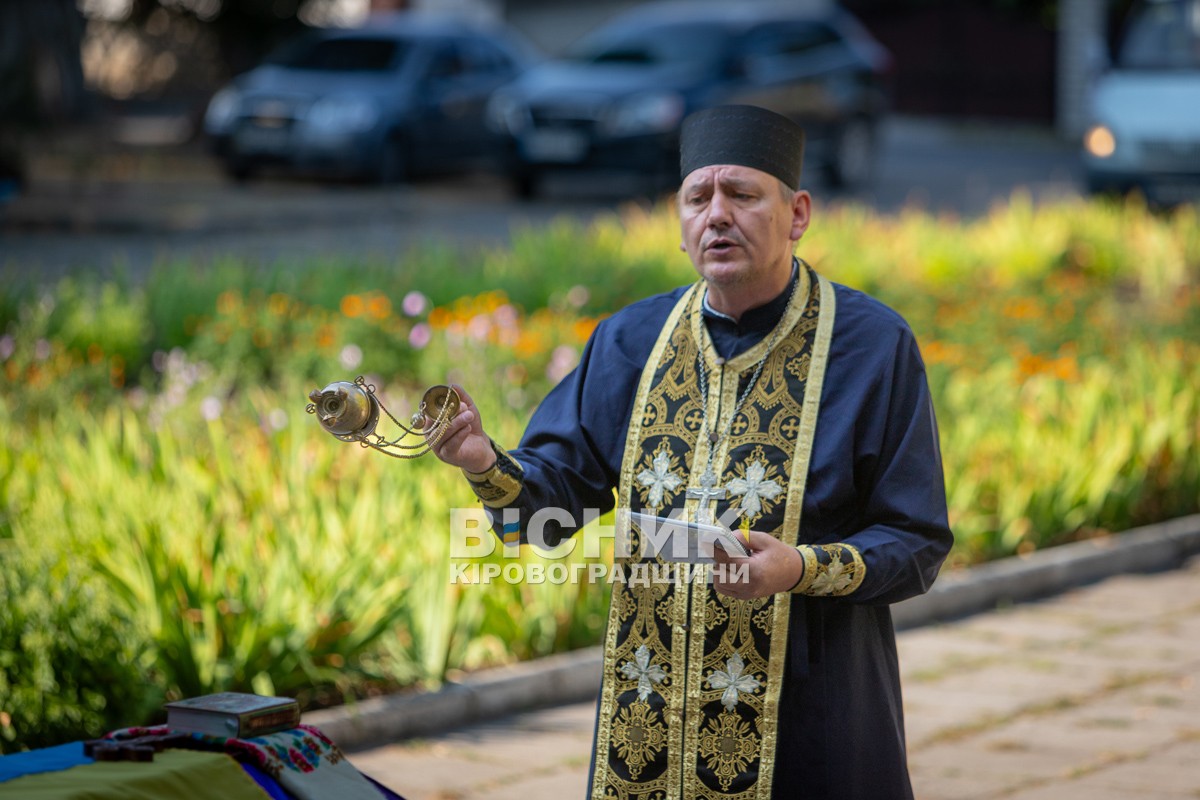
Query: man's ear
{"points": [[801, 214], [682, 247]]}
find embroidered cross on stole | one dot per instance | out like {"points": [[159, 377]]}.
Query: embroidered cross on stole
{"points": [[689, 704]]}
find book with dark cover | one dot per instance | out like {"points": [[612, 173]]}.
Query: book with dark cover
{"points": [[233, 714]]}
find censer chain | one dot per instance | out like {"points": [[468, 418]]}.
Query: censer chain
{"points": [[439, 426]]}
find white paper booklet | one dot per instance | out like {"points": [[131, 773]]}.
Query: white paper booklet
{"points": [[680, 540]]}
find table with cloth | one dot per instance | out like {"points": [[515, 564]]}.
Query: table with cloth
{"points": [[297, 764]]}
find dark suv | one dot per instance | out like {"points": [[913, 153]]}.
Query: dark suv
{"points": [[403, 94], [614, 103]]}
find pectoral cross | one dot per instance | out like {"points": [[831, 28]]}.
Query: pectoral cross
{"points": [[708, 491]]}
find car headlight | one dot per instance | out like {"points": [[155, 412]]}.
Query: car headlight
{"points": [[1100, 141], [656, 112], [342, 115], [507, 114], [222, 111]]}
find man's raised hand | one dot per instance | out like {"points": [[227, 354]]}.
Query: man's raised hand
{"points": [[464, 444]]}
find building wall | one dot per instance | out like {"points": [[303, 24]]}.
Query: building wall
{"points": [[1081, 56], [966, 60]]}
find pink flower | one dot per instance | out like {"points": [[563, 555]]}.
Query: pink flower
{"points": [[351, 356], [414, 303], [562, 361], [505, 316], [210, 408], [419, 336], [578, 296], [479, 327]]}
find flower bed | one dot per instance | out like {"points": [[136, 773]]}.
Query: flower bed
{"points": [[156, 448]]}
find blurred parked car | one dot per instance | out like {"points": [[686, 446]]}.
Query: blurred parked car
{"points": [[402, 95], [615, 102], [1146, 108]]}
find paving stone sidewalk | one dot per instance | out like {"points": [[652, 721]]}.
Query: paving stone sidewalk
{"points": [[1090, 695]]}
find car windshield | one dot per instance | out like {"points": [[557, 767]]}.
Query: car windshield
{"points": [[682, 43], [1166, 35], [344, 54]]}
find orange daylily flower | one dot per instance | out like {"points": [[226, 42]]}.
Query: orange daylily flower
{"points": [[352, 306]]}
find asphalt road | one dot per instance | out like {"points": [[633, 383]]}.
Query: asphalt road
{"points": [[185, 212]]}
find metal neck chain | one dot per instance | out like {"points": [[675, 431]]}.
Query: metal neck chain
{"points": [[715, 437]]}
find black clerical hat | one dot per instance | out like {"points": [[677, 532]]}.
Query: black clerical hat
{"points": [[748, 136]]}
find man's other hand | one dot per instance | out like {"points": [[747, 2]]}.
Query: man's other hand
{"points": [[771, 567]]}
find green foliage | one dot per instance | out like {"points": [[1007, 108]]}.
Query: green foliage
{"points": [[71, 660], [109, 320], [156, 433], [1038, 452]]}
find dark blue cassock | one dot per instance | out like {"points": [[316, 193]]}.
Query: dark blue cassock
{"points": [[875, 482]]}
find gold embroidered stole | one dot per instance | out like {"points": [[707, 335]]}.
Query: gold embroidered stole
{"points": [[689, 704]]}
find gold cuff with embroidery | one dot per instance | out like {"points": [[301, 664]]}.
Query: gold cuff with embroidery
{"points": [[499, 486], [830, 570]]}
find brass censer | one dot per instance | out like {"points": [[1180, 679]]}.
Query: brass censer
{"points": [[350, 411]]}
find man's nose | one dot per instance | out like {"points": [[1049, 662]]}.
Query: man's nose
{"points": [[718, 211]]}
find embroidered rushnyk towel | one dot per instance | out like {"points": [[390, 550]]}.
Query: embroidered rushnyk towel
{"points": [[303, 760], [306, 763]]}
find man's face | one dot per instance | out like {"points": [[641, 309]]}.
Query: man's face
{"points": [[738, 224]]}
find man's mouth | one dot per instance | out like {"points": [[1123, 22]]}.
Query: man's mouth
{"points": [[721, 245]]}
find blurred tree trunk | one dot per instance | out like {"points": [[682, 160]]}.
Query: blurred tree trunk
{"points": [[41, 77], [41, 74]]}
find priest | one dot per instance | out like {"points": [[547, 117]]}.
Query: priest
{"points": [[768, 393]]}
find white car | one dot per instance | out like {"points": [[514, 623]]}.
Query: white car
{"points": [[1145, 109]]}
